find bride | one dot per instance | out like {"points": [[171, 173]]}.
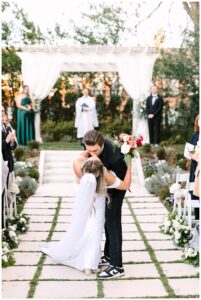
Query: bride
{"points": [[80, 247]]}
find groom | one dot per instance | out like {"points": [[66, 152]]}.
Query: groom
{"points": [[113, 160]]}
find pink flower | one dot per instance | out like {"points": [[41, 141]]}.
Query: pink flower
{"points": [[121, 137]]}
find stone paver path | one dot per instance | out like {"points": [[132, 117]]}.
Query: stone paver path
{"points": [[153, 266]]}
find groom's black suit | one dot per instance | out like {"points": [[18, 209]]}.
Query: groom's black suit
{"points": [[156, 108], [113, 160]]}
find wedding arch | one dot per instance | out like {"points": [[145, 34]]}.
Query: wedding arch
{"points": [[42, 65]]}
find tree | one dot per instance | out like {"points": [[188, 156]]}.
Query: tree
{"points": [[182, 65], [104, 25], [192, 10]]}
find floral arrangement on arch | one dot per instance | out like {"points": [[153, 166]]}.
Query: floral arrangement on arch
{"points": [[128, 144], [141, 109]]}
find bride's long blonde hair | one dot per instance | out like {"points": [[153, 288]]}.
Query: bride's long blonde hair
{"points": [[95, 167]]}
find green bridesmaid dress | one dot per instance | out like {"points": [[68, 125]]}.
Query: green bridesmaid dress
{"points": [[25, 123]]}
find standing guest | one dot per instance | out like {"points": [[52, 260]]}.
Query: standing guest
{"points": [[25, 117], [194, 141], [9, 143], [154, 108], [86, 115]]}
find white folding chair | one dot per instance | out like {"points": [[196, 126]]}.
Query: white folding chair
{"points": [[190, 203], [180, 178]]}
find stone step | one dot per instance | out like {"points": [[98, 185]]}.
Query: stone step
{"points": [[59, 178], [57, 165], [58, 171]]}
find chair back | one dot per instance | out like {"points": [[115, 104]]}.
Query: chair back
{"points": [[184, 177]]}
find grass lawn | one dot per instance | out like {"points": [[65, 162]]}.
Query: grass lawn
{"points": [[61, 145]]}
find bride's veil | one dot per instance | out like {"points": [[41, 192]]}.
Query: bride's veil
{"points": [[85, 196]]}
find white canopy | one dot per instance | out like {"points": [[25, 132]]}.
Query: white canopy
{"points": [[42, 65]]}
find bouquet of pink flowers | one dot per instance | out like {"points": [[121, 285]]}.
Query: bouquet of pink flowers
{"points": [[128, 144]]}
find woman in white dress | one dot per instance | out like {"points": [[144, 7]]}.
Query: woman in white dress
{"points": [[80, 247]]}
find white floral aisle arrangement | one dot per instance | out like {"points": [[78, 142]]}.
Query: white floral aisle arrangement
{"points": [[21, 222], [167, 226], [176, 226], [191, 256], [128, 145], [7, 256], [9, 236]]}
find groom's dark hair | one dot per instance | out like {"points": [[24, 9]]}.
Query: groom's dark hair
{"points": [[93, 137]]}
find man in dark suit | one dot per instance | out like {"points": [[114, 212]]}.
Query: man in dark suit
{"points": [[113, 160], [8, 144], [8, 141], [154, 108]]}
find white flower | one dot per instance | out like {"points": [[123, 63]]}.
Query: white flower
{"points": [[175, 224], [174, 188], [125, 148], [18, 179], [22, 220], [23, 228], [177, 235], [167, 223], [4, 244], [125, 138], [12, 228], [5, 258], [12, 234], [5, 250]]}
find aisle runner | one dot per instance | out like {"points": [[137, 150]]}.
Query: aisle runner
{"points": [[152, 264]]}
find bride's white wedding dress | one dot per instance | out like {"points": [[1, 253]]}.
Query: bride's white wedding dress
{"points": [[80, 247]]}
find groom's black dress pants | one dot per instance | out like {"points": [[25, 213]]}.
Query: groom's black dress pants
{"points": [[113, 228]]}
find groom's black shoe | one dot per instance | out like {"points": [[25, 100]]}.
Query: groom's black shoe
{"points": [[111, 272], [104, 261]]}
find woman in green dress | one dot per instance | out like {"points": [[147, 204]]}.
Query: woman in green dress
{"points": [[25, 117]]}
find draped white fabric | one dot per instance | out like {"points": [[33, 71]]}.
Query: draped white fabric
{"points": [[42, 65], [136, 76], [40, 71]]}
